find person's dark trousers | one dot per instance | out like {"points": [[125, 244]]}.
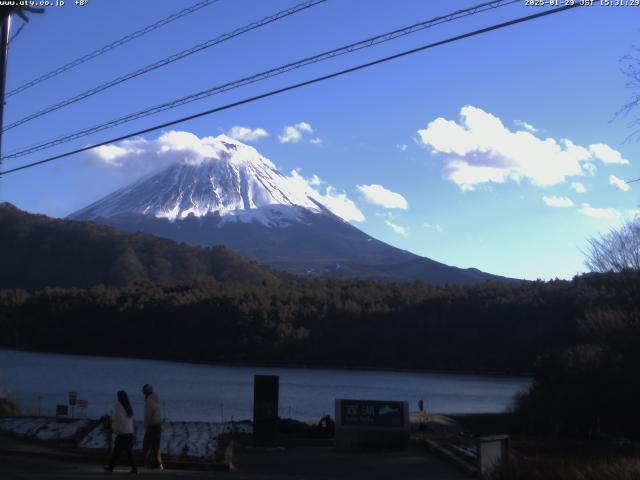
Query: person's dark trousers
{"points": [[124, 443], [151, 443]]}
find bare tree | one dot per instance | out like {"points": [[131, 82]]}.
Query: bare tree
{"points": [[631, 70], [615, 251], [620, 248]]}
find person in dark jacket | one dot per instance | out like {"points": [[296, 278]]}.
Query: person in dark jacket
{"points": [[122, 425], [152, 425]]}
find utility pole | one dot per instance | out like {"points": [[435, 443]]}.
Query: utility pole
{"points": [[4, 50], [5, 26]]}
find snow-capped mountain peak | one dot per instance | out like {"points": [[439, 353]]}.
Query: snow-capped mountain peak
{"points": [[220, 176], [240, 199]]}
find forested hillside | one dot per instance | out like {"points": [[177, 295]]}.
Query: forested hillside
{"points": [[488, 327], [37, 251]]}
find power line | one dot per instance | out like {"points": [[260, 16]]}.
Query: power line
{"points": [[5, 21], [111, 46], [168, 60], [369, 42], [297, 85]]}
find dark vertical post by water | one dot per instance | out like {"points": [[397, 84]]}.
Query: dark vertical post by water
{"points": [[265, 408]]}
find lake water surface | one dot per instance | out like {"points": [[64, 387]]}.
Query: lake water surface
{"points": [[192, 392]]}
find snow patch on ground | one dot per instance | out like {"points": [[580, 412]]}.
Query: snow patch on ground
{"points": [[179, 439], [43, 428]]}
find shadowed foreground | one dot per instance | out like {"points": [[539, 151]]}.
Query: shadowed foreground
{"points": [[293, 463]]}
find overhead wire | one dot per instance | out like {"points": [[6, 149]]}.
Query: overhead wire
{"points": [[366, 43], [115, 44], [166, 61], [298, 85]]}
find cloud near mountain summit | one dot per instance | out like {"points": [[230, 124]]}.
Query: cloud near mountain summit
{"points": [[138, 157]]}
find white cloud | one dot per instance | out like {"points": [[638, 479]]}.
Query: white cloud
{"points": [[633, 213], [526, 126], [606, 154], [315, 180], [467, 176], [619, 183], [435, 227], [112, 155], [402, 147], [578, 187], [378, 195], [316, 141], [558, 202], [341, 205], [290, 135], [480, 149], [304, 126], [337, 202], [590, 168], [246, 134], [140, 156], [397, 228], [600, 213], [293, 133], [190, 147]]}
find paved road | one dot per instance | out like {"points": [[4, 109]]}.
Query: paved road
{"points": [[22, 468], [27, 462], [321, 463], [294, 464]]}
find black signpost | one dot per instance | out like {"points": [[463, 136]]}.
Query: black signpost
{"points": [[265, 408]]}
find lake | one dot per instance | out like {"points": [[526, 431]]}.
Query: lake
{"points": [[195, 392]]}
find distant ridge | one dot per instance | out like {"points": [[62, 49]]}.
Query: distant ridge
{"points": [[37, 251]]}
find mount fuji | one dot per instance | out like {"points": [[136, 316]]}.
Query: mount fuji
{"points": [[228, 193]]}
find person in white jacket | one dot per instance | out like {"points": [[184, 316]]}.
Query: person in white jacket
{"points": [[122, 425], [152, 425]]}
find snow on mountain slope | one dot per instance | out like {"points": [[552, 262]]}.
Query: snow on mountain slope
{"points": [[218, 191], [227, 178]]}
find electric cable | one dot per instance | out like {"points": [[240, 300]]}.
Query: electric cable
{"points": [[369, 42], [298, 85], [110, 46], [166, 61]]}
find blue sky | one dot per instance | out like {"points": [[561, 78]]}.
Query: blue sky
{"points": [[483, 142]]}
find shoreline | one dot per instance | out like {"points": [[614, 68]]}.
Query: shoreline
{"points": [[482, 373]]}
